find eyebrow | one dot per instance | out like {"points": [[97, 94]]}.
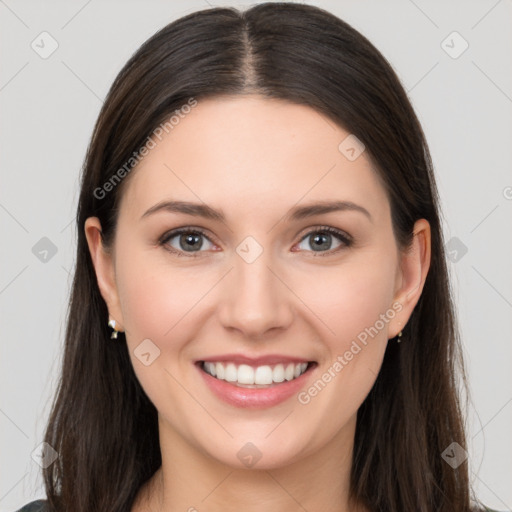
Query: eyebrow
{"points": [[297, 213]]}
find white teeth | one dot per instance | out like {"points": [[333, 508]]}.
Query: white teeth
{"points": [[230, 373], [219, 371], [299, 369], [210, 368], [261, 375], [289, 372], [245, 374], [278, 373]]}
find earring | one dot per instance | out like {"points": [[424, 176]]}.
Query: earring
{"points": [[398, 337], [112, 324]]}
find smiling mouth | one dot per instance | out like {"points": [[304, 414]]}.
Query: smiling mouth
{"points": [[264, 376]]}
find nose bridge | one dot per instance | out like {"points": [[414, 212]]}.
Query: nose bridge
{"points": [[255, 299]]}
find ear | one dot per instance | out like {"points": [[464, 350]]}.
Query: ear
{"points": [[104, 268], [414, 266]]}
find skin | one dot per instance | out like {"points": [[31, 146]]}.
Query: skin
{"points": [[254, 159]]}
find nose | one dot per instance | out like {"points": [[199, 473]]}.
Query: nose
{"points": [[255, 300]]}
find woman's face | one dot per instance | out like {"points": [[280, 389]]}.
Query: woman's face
{"points": [[263, 287]]}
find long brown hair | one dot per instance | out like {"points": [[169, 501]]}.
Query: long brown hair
{"points": [[102, 424]]}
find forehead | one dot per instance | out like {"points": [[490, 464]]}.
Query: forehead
{"points": [[251, 154]]}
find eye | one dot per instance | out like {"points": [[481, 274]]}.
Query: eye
{"points": [[323, 238], [187, 241]]}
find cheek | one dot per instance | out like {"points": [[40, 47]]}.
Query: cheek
{"points": [[154, 298], [352, 299], [154, 302], [353, 304], [146, 303]]}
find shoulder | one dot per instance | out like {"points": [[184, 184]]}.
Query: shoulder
{"points": [[35, 506]]}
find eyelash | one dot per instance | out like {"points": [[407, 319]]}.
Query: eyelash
{"points": [[342, 237]]}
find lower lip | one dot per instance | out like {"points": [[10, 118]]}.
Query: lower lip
{"points": [[254, 398]]}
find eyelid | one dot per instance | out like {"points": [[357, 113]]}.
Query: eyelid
{"points": [[185, 229], [326, 229]]}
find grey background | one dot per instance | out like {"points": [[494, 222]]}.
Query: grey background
{"points": [[49, 106]]}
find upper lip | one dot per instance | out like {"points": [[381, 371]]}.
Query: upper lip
{"points": [[270, 359]]}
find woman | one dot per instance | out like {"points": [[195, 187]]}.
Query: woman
{"points": [[217, 355]]}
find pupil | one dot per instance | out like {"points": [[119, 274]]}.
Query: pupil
{"points": [[320, 238], [191, 239]]}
